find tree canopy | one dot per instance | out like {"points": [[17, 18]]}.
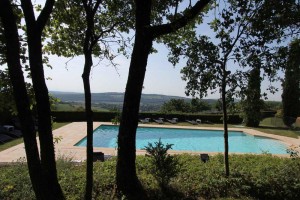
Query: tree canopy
{"points": [[291, 85]]}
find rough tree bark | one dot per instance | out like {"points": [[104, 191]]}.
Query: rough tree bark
{"points": [[21, 97], [127, 180], [34, 30], [224, 108], [87, 49]]}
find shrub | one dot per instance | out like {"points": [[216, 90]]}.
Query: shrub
{"points": [[293, 151], [163, 166], [252, 177]]}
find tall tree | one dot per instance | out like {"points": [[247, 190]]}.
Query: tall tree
{"points": [[146, 31], [42, 171], [99, 22], [226, 62], [279, 21], [12, 57], [253, 104], [291, 85], [89, 43]]}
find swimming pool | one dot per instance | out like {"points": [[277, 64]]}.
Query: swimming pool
{"points": [[190, 140]]}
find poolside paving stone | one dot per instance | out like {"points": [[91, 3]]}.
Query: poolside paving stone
{"points": [[74, 132]]}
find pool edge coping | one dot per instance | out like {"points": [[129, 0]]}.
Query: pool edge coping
{"points": [[72, 133]]}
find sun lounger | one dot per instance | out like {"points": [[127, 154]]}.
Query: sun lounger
{"points": [[146, 120], [192, 122], [173, 121], [159, 120], [4, 138], [10, 131], [15, 133], [208, 122]]}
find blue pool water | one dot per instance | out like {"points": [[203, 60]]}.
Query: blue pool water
{"points": [[191, 140]]}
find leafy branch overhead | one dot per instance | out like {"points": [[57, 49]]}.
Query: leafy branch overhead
{"points": [[67, 28]]}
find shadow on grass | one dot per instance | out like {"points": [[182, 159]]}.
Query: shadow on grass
{"points": [[168, 193]]}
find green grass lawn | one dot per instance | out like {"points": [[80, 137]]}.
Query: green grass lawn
{"points": [[14, 142]]}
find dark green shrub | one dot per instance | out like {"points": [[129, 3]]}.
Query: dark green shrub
{"points": [[72, 116], [251, 177], [162, 165]]}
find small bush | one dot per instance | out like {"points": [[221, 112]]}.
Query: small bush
{"points": [[163, 166], [251, 177], [293, 151]]}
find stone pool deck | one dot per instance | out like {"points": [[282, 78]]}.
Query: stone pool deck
{"points": [[74, 132]]}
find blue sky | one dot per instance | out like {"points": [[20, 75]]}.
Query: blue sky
{"points": [[161, 76]]}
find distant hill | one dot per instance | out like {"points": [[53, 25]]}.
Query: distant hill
{"points": [[117, 98]]}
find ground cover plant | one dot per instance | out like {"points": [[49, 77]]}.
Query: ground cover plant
{"points": [[252, 177]]}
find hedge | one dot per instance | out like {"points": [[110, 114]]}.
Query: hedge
{"points": [[67, 116], [77, 116]]}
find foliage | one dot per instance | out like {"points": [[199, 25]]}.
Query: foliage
{"points": [[279, 113], [253, 177], [272, 105], [291, 85], [117, 118], [293, 151], [279, 20], [180, 105], [7, 102], [104, 116], [252, 105], [175, 105], [109, 22], [163, 166]]}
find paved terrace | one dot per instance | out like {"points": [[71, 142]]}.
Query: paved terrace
{"points": [[74, 132]]}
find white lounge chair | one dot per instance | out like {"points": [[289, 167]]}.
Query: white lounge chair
{"points": [[173, 121], [192, 122], [159, 120], [146, 120]]}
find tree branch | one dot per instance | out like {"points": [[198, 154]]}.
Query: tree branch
{"points": [[45, 14], [28, 12], [164, 29], [96, 7]]}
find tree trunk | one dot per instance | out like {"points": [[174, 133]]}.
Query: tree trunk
{"points": [[88, 50], [127, 180], [21, 97], [44, 115], [89, 123], [224, 107], [34, 32]]}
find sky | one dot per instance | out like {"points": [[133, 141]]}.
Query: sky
{"points": [[161, 76]]}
